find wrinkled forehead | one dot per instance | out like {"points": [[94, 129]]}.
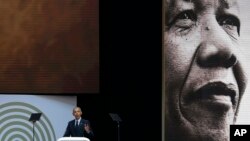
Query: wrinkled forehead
{"points": [[199, 5]]}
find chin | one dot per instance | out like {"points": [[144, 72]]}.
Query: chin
{"points": [[188, 132], [222, 135], [198, 122]]}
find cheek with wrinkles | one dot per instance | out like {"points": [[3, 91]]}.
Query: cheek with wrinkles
{"points": [[178, 59]]}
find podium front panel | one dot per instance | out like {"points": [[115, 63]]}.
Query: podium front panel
{"points": [[73, 139]]}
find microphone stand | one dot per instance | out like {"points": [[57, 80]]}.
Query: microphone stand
{"points": [[118, 130], [116, 117], [33, 130], [33, 118]]}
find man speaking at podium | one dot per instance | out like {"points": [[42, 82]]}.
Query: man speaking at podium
{"points": [[78, 127]]}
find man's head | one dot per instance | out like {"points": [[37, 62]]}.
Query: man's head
{"points": [[205, 78], [77, 112]]}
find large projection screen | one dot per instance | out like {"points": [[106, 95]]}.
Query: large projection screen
{"points": [[190, 31], [49, 46], [15, 111]]}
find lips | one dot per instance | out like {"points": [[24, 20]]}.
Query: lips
{"points": [[217, 92]]}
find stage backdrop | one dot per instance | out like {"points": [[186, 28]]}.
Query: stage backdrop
{"points": [[15, 111]]}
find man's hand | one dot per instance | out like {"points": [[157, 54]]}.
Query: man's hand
{"points": [[87, 128]]}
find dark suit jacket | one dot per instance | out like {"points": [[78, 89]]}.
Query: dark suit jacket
{"points": [[79, 131]]}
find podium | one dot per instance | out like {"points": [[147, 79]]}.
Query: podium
{"points": [[73, 139]]}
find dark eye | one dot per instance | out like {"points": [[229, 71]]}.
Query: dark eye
{"points": [[183, 22], [230, 23], [187, 15], [183, 19]]}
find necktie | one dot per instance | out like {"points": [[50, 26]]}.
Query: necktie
{"points": [[76, 123]]}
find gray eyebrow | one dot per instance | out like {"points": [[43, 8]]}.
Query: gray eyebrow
{"points": [[224, 4]]}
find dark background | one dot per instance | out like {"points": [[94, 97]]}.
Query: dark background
{"points": [[130, 72]]}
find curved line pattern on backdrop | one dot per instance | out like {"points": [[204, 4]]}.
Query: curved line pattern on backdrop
{"points": [[15, 124]]}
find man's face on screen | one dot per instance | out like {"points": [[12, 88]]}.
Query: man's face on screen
{"points": [[204, 75]]}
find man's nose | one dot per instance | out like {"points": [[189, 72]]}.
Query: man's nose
{"points": [[217, 48]]}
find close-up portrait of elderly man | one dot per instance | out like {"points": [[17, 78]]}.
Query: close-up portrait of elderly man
{"points": [[205, 75]]}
